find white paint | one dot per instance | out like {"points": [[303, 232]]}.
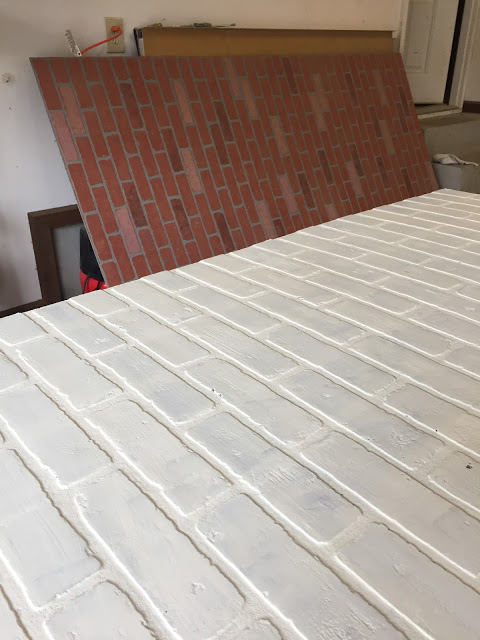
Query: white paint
{"points": [[197, 498], [33, 175]]}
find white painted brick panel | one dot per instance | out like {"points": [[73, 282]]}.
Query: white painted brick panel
{"points": [[185, 477], [68, 374], [287, 576], [158, 386], [104, 612], [282, 443], [431, 597], [191, 593], [50, 434], [161, 340]]}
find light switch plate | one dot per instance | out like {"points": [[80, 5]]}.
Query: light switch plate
{"points": [[117, 45]]}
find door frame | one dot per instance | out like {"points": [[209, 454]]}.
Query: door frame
{"points": [[468, 31]]}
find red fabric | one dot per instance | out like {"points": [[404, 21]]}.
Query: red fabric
{"points": [[177, 159], [91, 284]]}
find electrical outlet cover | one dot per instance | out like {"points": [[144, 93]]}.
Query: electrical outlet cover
{"points": [[117, 45]]}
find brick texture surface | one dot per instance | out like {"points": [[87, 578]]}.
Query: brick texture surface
{"points": [[255, 447], [179, 159]]}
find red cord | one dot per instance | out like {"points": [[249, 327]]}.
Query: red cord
{"points": [[116, 30]]}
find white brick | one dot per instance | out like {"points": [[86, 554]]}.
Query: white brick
{"points": [[277, 262], [448, 301], [359, 226], [200, 272], [229, 309], [187, 589], [168, 281], [470, 291], [168, 393], [51, 435], [290, 286], [335, 362], [43, 550], [432, 598], [429, 517], [448, 324], [255, 401], [294, 491], [261, 630], [466, 358], [10, 624], [163, 341], [456, 269], [99, 303], [443, 380], [280, 246], [68, 374], [312, 319], [355, 289], [439, 415], [292, 580], [395, 437], [248, 352], [364, 219], [398, 267], [453, 231], [230, 263], [455, 221], [155, 301], [104, 612], [459, 475], [348, 268], [10, 374], [434, 249], [386, 249], [390, 326], [19, 328], [325, 231], [393, 214], [82, 330], [424, 234], [186, 478], [326, 246]]}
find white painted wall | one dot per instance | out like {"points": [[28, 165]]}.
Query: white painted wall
{"points": [[473, 82], [32, 175]]}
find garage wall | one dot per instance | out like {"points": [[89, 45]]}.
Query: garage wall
{"points": [[32, 175], [473, 82]]}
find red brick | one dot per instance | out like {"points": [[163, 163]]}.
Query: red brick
{"points": [[202, 128], [143, 145], [279, 136], [266, 220], [147, 68], [205, 213], [176, 243], [227, 100], [89, 160], [214, 167], [60, 73], [232, 77], [259, 233], [285, 216], [272, 178], [196, 147], [288, 194], [75, 70], [150, 250], [172, 67], [127, 229], [245, 120], [190, 170], [253, 183], [257, 159], [158, 104], [118, 156], [216, 244], [166, 173], [172, 150], [64, 137], [196, 66], [141, 181], [110, 274], [240, 141], [167, 258], [201, 238], [140, 266], [151, 127], [227, 208], [111, 182], [238, 239], [124, 129], [211, 78], [102, 107], [232, 186], [182, 101], [305, 188], [95, 231], [224, 232], [134, 116], [249, 203], [219, 143], [80, 186], [275, 156], [73, 114], [104, 208], [260, 138], [120, 68], [47, 86], [181, 218], [185, 65], [155, 223], [161, 199], [121, 258], [133, 201], [136, 77], [192, 252], [177, 125]]}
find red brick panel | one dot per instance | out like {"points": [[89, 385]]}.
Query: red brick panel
{"points": [[177, 159]]}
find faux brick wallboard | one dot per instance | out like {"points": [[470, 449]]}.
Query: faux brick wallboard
{"points": [[177, 159]]}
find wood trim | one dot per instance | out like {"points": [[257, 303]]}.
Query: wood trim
{"points": [[42, 224], [180, 41], [471, 106], [22, 308]]}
